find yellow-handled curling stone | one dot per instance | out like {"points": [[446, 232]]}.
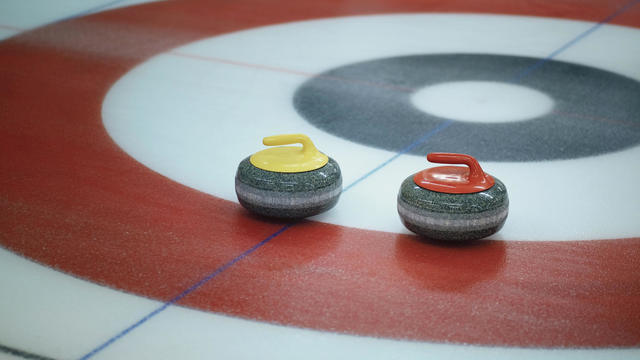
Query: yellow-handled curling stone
{"points": [[453, 203], [288, 181]]}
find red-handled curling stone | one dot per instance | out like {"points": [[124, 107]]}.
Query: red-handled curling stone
{"points": [[453, 203]]}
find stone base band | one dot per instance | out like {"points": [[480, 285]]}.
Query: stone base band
{"points": [[444, 222], [286, 200]]}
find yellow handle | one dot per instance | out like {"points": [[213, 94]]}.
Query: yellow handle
{"points": [[308, 149], [289, 158]]}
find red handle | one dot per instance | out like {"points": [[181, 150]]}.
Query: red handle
{"points": [[475, 171], [453, 179]]}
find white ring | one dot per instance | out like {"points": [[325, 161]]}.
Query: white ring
{"points": [[194, 113]]}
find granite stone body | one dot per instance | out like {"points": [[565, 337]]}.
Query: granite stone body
{"points": [[288, 195], [452, 217]]}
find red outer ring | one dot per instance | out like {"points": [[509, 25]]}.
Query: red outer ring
{"points": [[71, 199]]}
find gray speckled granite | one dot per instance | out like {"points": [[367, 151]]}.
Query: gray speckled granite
{"points": [[288, 195], [452, 217]]}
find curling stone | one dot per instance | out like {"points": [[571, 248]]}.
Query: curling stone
{"points": [[288, 181], [453, 203]]}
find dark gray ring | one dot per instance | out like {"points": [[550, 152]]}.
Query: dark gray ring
{"points": [[595, 111]]}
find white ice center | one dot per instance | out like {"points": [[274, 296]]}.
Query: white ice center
{"points": [[482, 101]]}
